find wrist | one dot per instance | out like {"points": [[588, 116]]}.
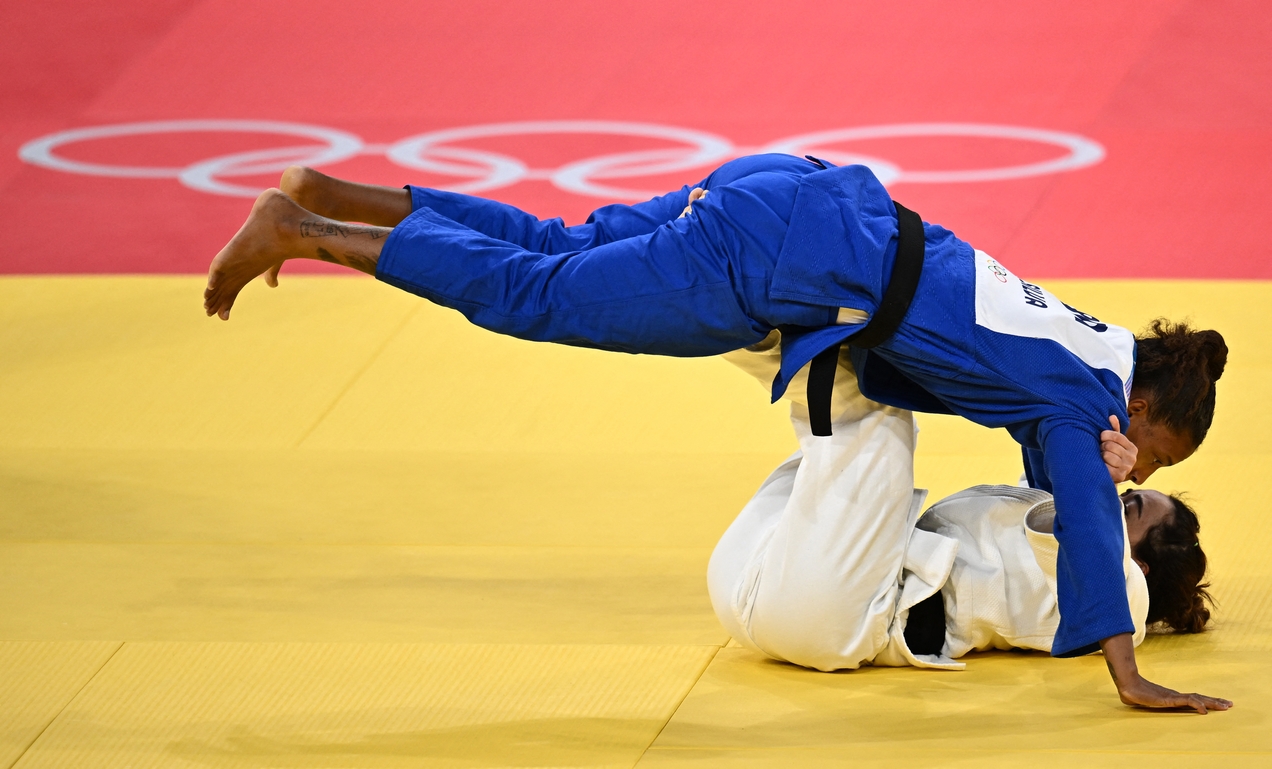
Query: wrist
{"points": [[1119, 656], [1126, 680]]}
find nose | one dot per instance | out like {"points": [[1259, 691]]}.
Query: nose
{"points": [[1141, 474]]}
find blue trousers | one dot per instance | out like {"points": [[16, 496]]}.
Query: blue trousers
{"points": [[634, 279]]}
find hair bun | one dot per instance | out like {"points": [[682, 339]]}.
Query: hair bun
{"points": [[1215, 353], [1176, 368]]}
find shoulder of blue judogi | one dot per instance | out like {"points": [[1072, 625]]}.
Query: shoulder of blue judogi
{"points": [[838, 245]]}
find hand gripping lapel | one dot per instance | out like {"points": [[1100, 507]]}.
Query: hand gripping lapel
{"points": [[897, 297]]}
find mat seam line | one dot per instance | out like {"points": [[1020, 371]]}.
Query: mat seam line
{"points": [[69, 702], [356, 376], [675, 710]]}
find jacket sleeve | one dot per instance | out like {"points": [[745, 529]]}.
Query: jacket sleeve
{"points": [[1090, 582], [1035, 472], [551, 236]]}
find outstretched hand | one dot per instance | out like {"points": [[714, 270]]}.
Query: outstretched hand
{"points": [[1118, 452], [1139, 692], [1142, 693]]}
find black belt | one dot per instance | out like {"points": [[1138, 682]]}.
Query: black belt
{"points": [[925, 627], [887, 318]]}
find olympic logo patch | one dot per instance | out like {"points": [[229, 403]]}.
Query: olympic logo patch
{"points": [[478, 170], [997, 270]]}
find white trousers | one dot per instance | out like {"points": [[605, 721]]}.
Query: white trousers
{"points": [[811, 570]]}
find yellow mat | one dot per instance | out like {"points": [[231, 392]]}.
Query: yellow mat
{"points": [[374, 705], [37, 680], [347, 529]]}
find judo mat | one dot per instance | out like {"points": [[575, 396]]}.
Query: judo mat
{"points": [[346, 529]]}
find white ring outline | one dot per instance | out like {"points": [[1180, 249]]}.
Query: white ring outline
{"points": [[1083, 152], [491, 170], [341, 145], [412, 152]]}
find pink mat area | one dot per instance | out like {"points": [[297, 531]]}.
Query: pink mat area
{"points": [[1174, 91]]}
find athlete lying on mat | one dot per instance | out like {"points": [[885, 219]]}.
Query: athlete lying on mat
{"points": [[826, 256], [825, 566]]}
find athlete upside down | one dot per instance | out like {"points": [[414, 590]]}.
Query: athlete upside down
{"points": [[781, 242]]}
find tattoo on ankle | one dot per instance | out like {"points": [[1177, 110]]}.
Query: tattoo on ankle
{"points": [[353, 261], [318, 228]]}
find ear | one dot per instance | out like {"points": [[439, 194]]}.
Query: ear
{"points": [[1143, 566], [1137, 407]]}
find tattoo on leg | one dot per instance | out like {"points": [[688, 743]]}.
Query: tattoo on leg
{"points": [[353, 261], [316, 228], [319, 228], [361, 263]]}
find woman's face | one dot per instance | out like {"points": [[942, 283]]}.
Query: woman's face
{"points": [[1158, 446], [1144, 509]]}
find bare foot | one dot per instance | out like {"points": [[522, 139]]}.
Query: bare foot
{"points": [[261, 245]]}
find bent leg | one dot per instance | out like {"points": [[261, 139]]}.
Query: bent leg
{"points": [[809, 571]]}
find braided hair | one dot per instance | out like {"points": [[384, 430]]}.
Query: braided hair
{"points": [[1176, 368], [1176, 567]]}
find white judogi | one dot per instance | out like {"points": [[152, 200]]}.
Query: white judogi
{"points": [[824, 563]]}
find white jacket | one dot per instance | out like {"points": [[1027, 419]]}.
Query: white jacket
{"points": [[991, 551], [823, 565]]}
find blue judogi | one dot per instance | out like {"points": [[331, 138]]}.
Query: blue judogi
{"points": [[784, 243]]}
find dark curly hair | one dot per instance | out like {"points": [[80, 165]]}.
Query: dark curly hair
{"points": [[1176, 368], [1176, 567]]}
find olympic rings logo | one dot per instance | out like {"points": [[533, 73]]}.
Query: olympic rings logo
{"points": [[997, 270], [478, 170]]}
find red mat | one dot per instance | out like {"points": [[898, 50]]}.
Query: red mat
{"points": [[1101, 139]]}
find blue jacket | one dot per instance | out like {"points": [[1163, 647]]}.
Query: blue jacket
{"points": [[781, 243]]}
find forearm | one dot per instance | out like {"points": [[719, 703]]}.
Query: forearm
{"points": [[1119, 657], [1090, 575]]}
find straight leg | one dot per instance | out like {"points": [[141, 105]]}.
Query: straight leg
{"points": [[348, 201], [345, 201]]}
